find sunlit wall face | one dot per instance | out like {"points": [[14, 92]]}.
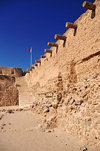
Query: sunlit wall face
{"points": [[27, 23]]}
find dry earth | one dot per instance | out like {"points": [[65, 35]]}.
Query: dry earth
{"points": [[21, 130]]}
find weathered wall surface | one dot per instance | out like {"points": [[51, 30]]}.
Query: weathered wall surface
{"points": [[16, 72], [67, 85], [75, 108], [8, 91], [83, 45]]}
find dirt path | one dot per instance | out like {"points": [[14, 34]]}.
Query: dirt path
{"points": [[20, 131]]}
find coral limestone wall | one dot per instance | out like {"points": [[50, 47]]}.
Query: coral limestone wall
{"points": [[79, 49], [8, 91], [67, 85], [16, 72]]}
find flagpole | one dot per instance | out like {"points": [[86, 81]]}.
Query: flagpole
{"points": [[31, 58]]}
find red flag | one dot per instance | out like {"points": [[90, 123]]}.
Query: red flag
{"points": [[28, 49]]}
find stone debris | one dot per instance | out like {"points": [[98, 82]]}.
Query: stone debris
{"points": [[19, 109], [85, 149], [76, 110], [10, 111], [46, 109]]}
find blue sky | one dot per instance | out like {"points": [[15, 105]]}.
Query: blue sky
{"points": [[32, 23]]}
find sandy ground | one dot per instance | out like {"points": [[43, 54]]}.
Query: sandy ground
{"points": [[20, 131]]}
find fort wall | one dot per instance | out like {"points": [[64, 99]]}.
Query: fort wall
{"points": [[16, 72], [9, 95], [67, 85], [8, 91], [85, 43]]}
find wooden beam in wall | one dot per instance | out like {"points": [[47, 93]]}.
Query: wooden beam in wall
{"points": [[43, 56], [71, 25], [52, 44], [48, 51], [60, 37], [32, 67], [38, 61], [36, 64], [89, 5]]}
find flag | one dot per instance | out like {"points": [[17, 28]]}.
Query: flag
{"points": [[30, 50]]}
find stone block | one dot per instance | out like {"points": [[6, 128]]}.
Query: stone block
{"points": [[59, 96], [45, 110], [49, 95], [55, 105]]}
